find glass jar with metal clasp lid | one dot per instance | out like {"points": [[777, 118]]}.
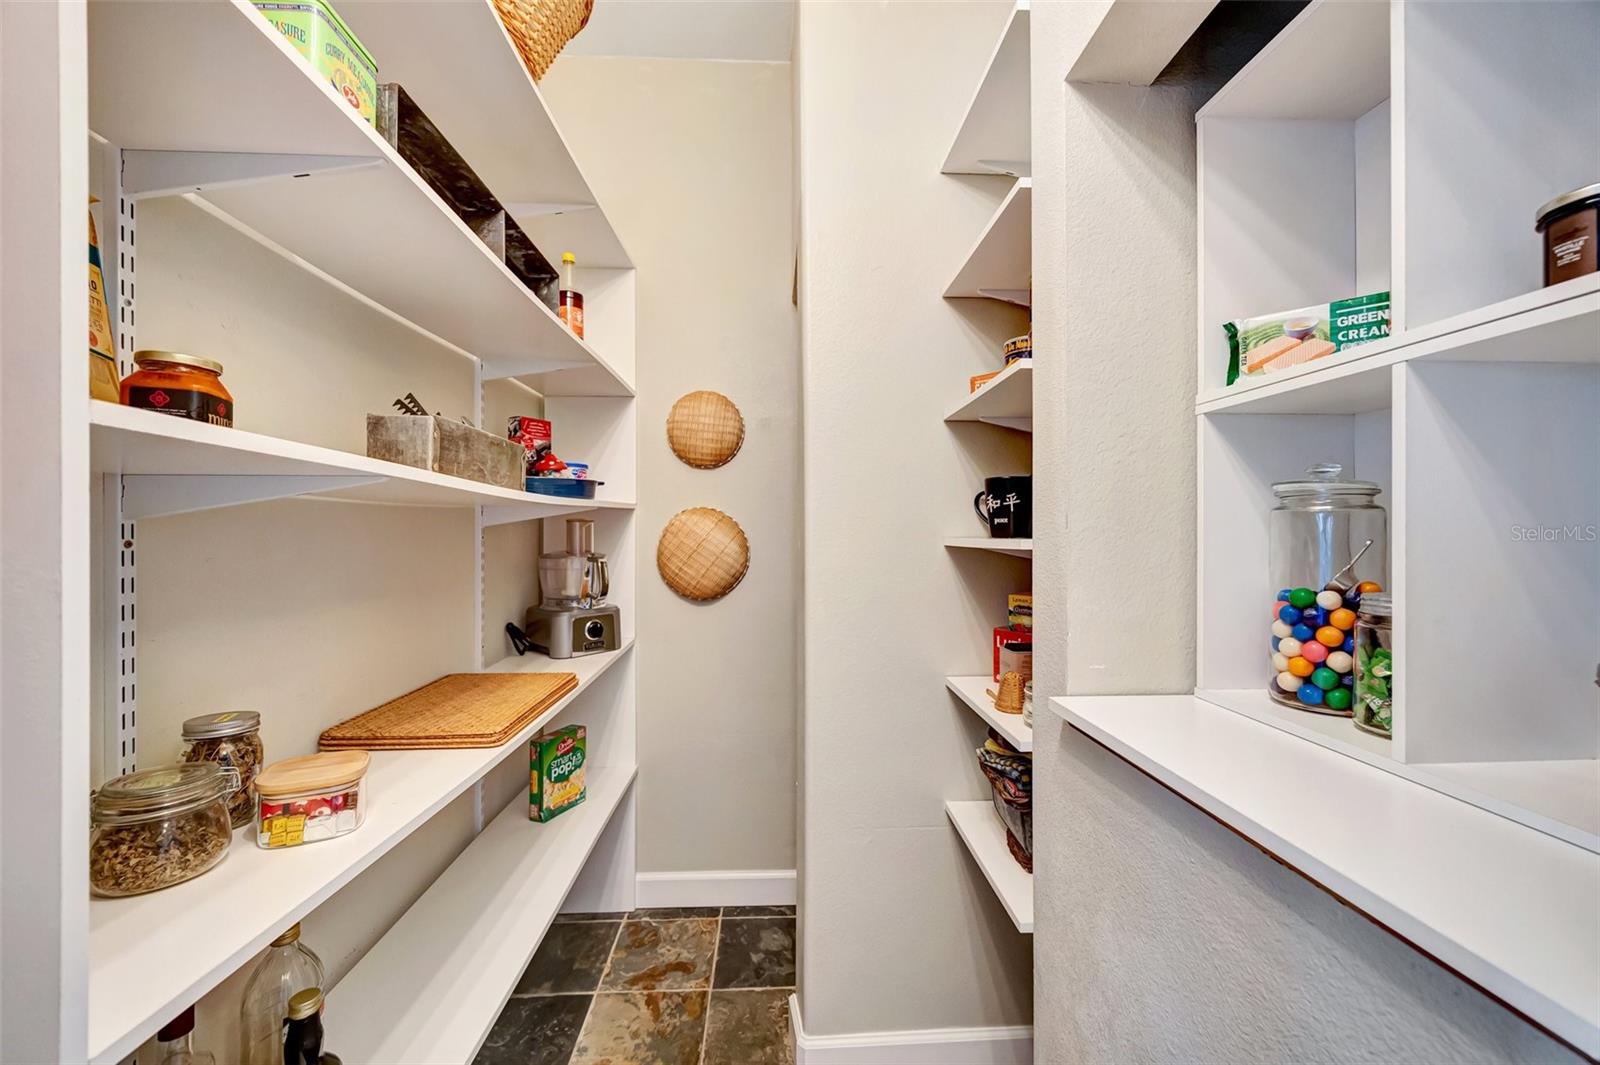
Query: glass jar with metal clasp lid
{"points": [[1328, 546], [158, 827], [1374, 700]]}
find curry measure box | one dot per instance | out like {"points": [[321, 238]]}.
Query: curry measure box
{"points": [[556, 771], [317, 32]]}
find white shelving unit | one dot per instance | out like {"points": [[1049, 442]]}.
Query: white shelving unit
{"points": [[1134, 41], [430, 990], [1001, 262], [1006, 401], [973, 691], [995, 137], [981, 830], [1000, 545], [1436, 871]]}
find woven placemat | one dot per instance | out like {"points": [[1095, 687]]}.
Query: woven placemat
{"points": [[705, 429], [457, 710], [702, 554]]}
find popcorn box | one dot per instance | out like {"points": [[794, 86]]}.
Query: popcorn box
{"points": [[557, 778]]}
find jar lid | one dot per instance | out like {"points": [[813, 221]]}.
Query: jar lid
{"points": [[305, 1003], [153, 793], [289, 935], [216, 726], [1378, 604], [1566, 199], [312, 772], [1322, 484], [157, 355]]}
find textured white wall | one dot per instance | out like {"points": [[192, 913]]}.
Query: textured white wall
{"points": [[1161, 935], [900, 930], [693, 160]]}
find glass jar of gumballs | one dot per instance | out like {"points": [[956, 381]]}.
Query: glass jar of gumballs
{"points": [[1328, 545]]}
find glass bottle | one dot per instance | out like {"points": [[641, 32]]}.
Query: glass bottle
{"points": [[302, 1034], [1328, 545], [571, 300], [176, 1042], [288, 966]]}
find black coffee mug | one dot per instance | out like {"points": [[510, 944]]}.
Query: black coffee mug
{"points": [[1006, 506]]}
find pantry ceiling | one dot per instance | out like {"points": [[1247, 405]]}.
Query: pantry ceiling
{"points": [[689, 29]]}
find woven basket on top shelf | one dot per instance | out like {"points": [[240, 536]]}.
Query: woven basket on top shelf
{"points": [[541, 28], [703, 553]]}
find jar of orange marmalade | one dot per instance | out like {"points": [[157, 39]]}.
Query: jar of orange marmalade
{"points": [[187, 386]]}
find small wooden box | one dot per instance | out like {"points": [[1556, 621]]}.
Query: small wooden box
{"points": [[445, 446]]}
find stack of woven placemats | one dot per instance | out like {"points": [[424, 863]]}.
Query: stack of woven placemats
{"points": [[457, 710]]}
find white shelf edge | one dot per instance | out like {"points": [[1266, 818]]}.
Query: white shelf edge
{"points": [[1473, 334], [1017, 548], [1435, 871], [430, 989], [1008, 397], [129, 999], [201, 459], [1134, 41], [1327, 34], [980, 828], [1003, 64], [970, 690], [1002, 256]]}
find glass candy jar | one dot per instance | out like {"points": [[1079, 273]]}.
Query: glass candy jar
{"points": [[1328, 545]]}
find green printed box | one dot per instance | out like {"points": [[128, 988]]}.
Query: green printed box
{"points": [[1274, 342], [557, 778], [318, 33]]}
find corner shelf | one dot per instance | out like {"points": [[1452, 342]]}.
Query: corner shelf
{"points": [[431, 988], [174, 465], [971, 690], [981, 830], [1015, 547], [206, 928], [1006, 400], [1439, 873], [995, 136], [1000, 264], [210, 100], [1134, 41]]}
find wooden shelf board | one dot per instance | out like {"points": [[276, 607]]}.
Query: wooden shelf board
{"points": [[981, 830], [142, 443], [1435, 870], [1000, 264], [1006, 399], [203, 930], [971, 690], [995, 136], [1556, 324], [183, 77], [431, 988], [1015, 547]]}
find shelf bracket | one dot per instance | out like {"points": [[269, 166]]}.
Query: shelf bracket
{"points": [[153, 495], [494, 370], [147, 174]]}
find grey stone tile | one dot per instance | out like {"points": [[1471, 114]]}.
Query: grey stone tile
{"points": [[662, 956], [535, 1031], [645, 1028], [748, 1028], [572, 958], [756, 952], [758, 911]]}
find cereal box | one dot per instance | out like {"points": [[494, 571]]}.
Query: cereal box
{"points": [[556, 777]]}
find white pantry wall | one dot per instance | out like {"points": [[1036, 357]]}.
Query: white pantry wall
{"points": [[692, 159], [900, 931]]}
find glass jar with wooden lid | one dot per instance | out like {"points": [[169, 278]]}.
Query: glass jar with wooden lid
{"points": [[184, 386], [310, 798]]}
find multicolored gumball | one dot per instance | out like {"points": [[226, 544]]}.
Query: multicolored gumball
{"points": [[1330, 636], [1283, 596], [1328, 599], [1364, 587], [1280, 629], [1289, 646], [1289, 615], [1313, 652], [1314, 616], [1288, 681], [1303, 632], [1309, 694], [1301, 667], [1303, 597], [1338, 698], [1325, 678], [1340, 662], [1280, 663], [1342, 619]]}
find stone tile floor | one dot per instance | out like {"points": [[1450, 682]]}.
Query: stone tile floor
{"points": [[694, 986]]}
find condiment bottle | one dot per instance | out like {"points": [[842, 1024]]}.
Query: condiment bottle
{"points": [[288, 966], [185, 386], [302, 1038], [571, 300], [176, 1042]]}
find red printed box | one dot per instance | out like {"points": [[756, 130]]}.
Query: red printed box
{"points": [[1003, 636], [534, 436]]}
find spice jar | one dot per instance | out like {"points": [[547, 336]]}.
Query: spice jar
{"points": [[1327, 547], [230, 739], [1374, 706], [186, 386], [311, 798], [158, 827]]}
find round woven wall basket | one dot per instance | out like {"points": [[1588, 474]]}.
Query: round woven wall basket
{"points": [[705, 429], [702, 554]]}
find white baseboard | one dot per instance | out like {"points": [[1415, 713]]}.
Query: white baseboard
{"points": [[926, 1046], [717, 887]]}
